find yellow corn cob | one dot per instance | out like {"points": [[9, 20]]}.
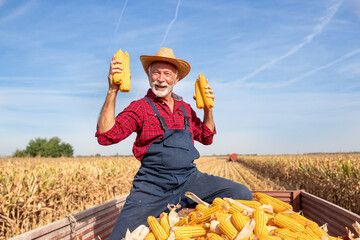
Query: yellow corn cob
{"points": [[201, 207], [221, 207], [186, 232], [123, 78], [156, 228], [299, 218], [218, 201], [268, 237], [284, 233], [278, 205], [239, 220], [260, 222], [208, 102], [182, 221], [150, 236], [195, 217], [214, 236], [235, 208], [228, 229], [198, 96], [270, 218], [221, 216], [310, 232], [250, 203], [303, 236], [164, 222], [316, 229], [284, 221]]}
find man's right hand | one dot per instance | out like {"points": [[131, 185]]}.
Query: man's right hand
{"points": [[115, 67]]}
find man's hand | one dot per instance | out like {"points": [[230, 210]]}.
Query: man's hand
{"points": [[115, 67], [209, 92], [208, 116]]}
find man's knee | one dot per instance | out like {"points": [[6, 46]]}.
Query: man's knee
{"points": [[241, 192]]}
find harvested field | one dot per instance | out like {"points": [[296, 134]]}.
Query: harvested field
{"points": [[38, 191]]}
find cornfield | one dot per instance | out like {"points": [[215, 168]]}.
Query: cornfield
{"points": [[38, 191]]}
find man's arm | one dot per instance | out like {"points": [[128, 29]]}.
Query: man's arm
{"points": [[208, 119], [107, 115], [208, 115]]}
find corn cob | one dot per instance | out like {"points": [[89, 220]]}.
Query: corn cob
{"points": [[221, 207], [156, 228], [268, 237], [316, 229], [208, 102], [309, 232], [283, 221], [284, 233], [221, 216], [260, 222], [249, 203], [198, 96], [235, 208], [278, 205], [123, 78], [182, 221], [228, 229], [194, 218], [150, 236], [186, 232], [214, 236], [218, 201], [270, 218], [239, 220], [164, 222], [201, 208], [299, 218]]}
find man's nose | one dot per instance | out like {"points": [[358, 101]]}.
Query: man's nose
{"points": [[162, 77]]}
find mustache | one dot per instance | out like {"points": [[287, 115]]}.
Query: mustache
{"points": [[161, 84]]}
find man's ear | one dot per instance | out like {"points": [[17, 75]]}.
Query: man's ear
{"points": [[177, 79]]}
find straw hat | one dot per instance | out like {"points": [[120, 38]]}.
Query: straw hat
{"points": [[166, 55]]}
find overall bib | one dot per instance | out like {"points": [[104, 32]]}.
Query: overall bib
{"points": [[167, 171]]}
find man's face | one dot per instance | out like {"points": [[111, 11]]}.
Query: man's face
{"points": [[162, 78]]}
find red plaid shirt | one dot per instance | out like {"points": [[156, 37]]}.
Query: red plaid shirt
{"points": [[139, 117]]}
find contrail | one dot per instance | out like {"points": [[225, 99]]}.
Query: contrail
{"points": [[171, 23], [317, 30], [119, 20], [346, 56], [293, 80], [121, 15], [17, 12]]}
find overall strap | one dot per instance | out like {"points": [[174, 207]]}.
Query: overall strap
{"points": [[186, 118], [161, 119]]}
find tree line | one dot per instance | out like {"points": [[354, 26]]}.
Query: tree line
{"points": [[42, 147]]}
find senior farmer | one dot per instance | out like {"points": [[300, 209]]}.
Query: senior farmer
{"points": [[166, 128]]}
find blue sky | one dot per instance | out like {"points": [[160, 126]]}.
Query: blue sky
{"points": [[285, 74]]}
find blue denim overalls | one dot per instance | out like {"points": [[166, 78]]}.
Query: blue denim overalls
{"points": [[167, 171]]}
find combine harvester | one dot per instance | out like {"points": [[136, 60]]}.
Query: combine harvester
{"points": [[97, 222]]}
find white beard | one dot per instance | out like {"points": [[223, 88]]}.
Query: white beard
{"points": [[161, 93]]}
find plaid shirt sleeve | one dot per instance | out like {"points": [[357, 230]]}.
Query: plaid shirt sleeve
{"points": [[126, 122]]}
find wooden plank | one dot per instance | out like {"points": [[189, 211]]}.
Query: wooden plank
{"points": [[61, 229], [322, 211]]}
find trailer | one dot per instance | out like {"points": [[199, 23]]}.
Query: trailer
{"points": [[97, 222]]}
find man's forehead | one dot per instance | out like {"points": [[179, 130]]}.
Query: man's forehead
{"points": [[163, 65]]}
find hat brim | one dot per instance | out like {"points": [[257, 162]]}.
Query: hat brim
{"points": [[183, 66]]}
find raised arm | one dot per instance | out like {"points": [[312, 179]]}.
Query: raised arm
{"points": [[107, 115]]}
